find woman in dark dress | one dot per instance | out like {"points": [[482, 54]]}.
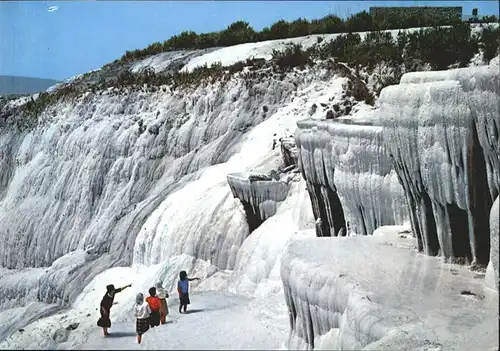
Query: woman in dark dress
{"points": [[106, 303]]}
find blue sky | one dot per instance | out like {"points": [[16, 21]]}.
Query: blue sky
{"points": [[83, 35]]}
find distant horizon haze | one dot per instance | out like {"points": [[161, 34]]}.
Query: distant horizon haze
{"points": [[19, 85]]}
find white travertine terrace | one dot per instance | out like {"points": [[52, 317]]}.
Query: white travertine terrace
{"points": [[350, 161], [259, 196]]}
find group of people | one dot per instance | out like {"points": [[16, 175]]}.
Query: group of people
{"points": [[152, 311], [149, 312]]}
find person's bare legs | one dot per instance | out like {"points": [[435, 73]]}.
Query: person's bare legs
{"points": [[139, 338], [105, 331]]}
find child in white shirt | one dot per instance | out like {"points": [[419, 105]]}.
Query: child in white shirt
{"points": [[142, 312]]}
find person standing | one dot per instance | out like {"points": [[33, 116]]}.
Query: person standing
{"points": [[142, 313], [154, 303], [163, 296], [106, 303], [183, 290]]}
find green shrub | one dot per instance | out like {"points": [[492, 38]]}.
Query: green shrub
{"points": [[125, 78], [241, 32], [299, 28], [376, 47], [439, 47], [328, 24], [360, 22], [483, 19], [442, 47], [490, 42], [339, 46], [292, 56], [383, 82], [418, 16], [185, 40], [207, 40], [237, 33], [279, 30]]}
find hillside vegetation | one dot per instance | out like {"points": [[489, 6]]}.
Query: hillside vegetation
{"points": [[241, 32], [436, 48]]}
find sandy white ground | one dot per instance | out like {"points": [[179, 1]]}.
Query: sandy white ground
{"points": [[215, 321]]}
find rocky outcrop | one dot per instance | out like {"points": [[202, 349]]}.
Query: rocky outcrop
{"points": [[259, 195], [436, 135], [289, 152], [349, 177], [376, 293], [433, 148], [441, 129]]}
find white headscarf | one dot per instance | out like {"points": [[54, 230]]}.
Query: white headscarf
{"points": [[139, 298], [162, 294]]}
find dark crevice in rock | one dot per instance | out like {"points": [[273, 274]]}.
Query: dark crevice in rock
{"points": [[320, 210], [310, 328], [293, 315], [253, 219], [428, 225], [313, 196], [289, 152], [420, 209], [411, 201], [335, 210], [326, 207], [459, 228], [480, 202], [363, 222], [415, 224]]}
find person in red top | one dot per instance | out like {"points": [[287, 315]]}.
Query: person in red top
{"points": [[154, 304]]}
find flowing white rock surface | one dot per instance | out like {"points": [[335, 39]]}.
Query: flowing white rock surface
{"points": [[349, 176], [440, 136], [492, 270], [140, 177], [441, 129], [418, 303]]}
